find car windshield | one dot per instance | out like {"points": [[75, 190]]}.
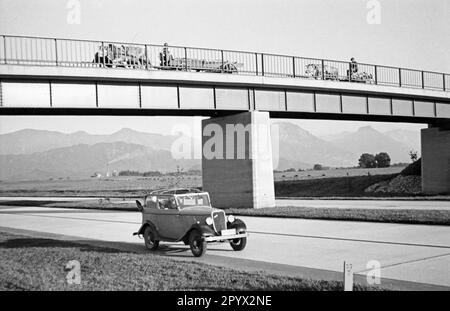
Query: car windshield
{"points": [[187, 200]]}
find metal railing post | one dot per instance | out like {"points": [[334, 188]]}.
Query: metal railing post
{"points": [[262, 64], [56, 52], [423, 80], [443, 81], [185, 60], [146, 56], [4, 48], [293, 66], [323, 69], [221, 55], [376, 74], [400, 77], [103, 54], [349, 72]]}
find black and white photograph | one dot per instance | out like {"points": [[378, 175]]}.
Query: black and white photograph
{"points": [[224, 152]]}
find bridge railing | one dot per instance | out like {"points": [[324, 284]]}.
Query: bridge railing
{"points": [[104, 54]]}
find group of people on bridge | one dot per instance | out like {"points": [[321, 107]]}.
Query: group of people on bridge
{"points": [[113, 55]]}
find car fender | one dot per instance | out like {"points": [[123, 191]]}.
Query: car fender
{"points": [[145, 225], [237, 224], [204, 230]]}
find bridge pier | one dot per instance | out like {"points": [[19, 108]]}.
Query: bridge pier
{"points": [[237, 163], [436, 159]]}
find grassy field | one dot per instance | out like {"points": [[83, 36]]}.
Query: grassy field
{"points": [[337, 172], [329, 187], [29, 263], [137, 186], [103, 187]]}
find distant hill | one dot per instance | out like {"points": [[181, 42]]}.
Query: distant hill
{"points": [[81, 161], [406, 137], [367, 139], [331, 137], [301, 149], [30, 141]]}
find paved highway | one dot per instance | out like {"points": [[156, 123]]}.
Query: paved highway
{"points": [[310, 248]]}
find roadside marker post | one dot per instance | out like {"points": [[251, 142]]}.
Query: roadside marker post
{"points": [[348, 277]]}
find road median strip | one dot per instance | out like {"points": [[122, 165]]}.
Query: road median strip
{"points": [[403, 216]]}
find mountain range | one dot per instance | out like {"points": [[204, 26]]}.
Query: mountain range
{"points": [[39, 154], [396, 143], [30, 141]]}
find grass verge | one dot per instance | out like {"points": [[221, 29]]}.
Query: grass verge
{"points": [[403, 216], [330, 187], [30, 263], [406, 216]]}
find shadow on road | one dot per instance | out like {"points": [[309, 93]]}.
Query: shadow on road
{"points": [[169, 250]]}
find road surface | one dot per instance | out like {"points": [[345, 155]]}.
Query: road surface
{"points": [[309, 248]]}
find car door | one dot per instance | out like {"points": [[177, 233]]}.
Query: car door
{"points": [[168, 218], [149, 209]]}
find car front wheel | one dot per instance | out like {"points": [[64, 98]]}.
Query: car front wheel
{"points": [[149, 238], [238, 244], [197, 244]]}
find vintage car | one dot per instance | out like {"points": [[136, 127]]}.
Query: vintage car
{"points": [[186, 215]]}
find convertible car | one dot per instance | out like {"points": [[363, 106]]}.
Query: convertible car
{"points": [[186, 215]]}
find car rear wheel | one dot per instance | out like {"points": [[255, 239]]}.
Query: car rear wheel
{"points": [[149, 238], [238, 244], [197, 244]]}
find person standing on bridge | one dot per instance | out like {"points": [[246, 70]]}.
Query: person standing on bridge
{"points": [[165, 56], [353, 66]]}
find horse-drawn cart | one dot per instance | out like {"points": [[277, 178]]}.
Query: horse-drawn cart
{"points": [[202, 65]]}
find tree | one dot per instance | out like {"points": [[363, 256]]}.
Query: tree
{"points": [[367, 160], [383, 159], [318, 167], [413, 155]]}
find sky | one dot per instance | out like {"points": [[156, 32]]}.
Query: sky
{"points": [[410, 33]]}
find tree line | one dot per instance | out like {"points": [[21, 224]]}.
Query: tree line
{"points": [[158, 173], [368, 160]]}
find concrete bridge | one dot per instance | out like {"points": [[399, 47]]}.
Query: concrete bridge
{"points": [[75, 77]]}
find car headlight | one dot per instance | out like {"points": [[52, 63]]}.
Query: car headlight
{"points": [[230, 218], [209, 221]]}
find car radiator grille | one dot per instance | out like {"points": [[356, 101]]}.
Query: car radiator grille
{"points": [[219, 221]]}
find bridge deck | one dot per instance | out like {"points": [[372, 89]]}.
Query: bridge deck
{"points": [[40, 75]]}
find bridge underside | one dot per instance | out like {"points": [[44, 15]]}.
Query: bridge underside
{"points": [[11, 111]]}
